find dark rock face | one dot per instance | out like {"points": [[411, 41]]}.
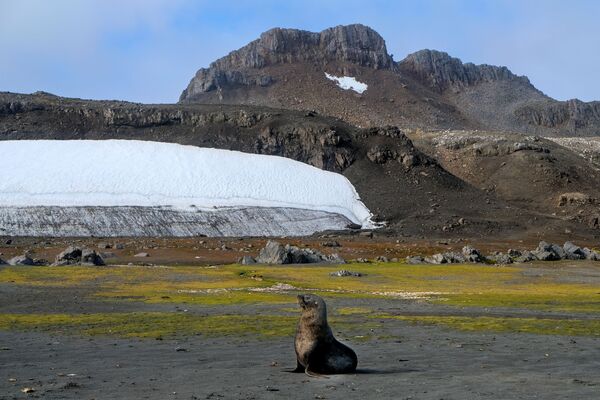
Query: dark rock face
{"points": [[572, 115], [441, 72], [276, 253]]}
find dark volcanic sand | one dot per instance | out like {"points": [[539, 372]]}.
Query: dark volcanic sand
{"points": [[427, 363], [406, 362]]}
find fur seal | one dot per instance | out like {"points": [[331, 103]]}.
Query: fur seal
{"points": [[317, 351]]}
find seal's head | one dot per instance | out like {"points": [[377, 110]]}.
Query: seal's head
{"points": [[312, 306]]}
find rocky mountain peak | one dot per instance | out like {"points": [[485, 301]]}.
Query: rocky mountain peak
{"points": [[441, 71], [357, 44]]}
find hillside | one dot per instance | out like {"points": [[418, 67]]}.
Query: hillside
{"points": [[286, 68], [396, 180]]}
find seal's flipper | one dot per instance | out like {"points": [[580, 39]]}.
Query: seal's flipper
{"points": [[312, 374], [299, 368]]}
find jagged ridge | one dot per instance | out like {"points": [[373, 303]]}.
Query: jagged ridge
{"points": [[441, 71], [428, 89], [357, 44]]}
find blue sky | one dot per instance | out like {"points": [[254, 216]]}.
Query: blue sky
{"points": [[147, 50]]}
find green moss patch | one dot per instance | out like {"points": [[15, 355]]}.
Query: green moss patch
{"points": [[541, 326], [152, 325]]}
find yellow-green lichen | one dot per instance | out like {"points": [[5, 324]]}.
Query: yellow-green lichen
{"points": [[543, 326]]}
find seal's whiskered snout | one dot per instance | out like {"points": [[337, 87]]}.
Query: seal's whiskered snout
{"points": [[308, 301], [302, 301]]}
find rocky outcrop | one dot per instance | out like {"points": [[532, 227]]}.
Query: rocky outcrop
{"points": [[441, 72], [574, 114], [357, 44], [276, 253]]}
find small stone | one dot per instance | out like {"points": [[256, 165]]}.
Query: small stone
{"points": [[344, 272], [142, 254]]}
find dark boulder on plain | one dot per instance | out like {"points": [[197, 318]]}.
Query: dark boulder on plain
{"points": [[77, 256], [276, 253], [573, 252], [472, 254], [247, 260], [446, 258]]}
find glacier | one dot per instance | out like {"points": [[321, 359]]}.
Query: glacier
{"points": [[131, 184]]}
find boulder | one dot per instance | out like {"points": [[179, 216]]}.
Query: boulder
{"points": [[526, 256], [549, 252], [71, 255], [21, 260], [247, 260], [90, 257], [573, 252], [333, 243], [500, 258], [472, 254], [514, 253], [2, 262], [382, 259], [276, 253], [592, 255], [75, 255], [415, 260], [446, 258], [273, 253]]}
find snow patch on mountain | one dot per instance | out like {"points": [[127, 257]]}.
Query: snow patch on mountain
{"points": [[139, 173], [348, 83]]}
